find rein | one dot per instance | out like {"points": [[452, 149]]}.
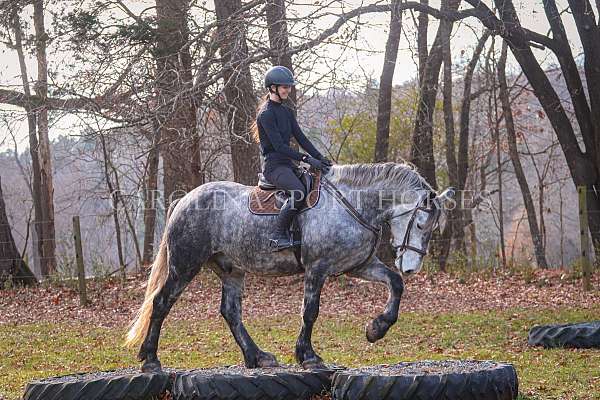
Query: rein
{"points": [[377, 231]]}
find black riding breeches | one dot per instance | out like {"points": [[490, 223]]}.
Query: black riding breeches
{"points": [[283, 177]]}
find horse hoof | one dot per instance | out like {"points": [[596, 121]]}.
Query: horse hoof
{"points": [[375, 330], [267, 360], [313, 363], [152, 367], [372, 334]]}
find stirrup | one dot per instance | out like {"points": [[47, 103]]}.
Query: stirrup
{"points": [[281, 244]]}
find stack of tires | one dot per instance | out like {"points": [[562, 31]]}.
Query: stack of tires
{"points": [[214, 384], [423, 380]]}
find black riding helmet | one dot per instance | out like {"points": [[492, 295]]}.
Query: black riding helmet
{"points": [[279, 75]]}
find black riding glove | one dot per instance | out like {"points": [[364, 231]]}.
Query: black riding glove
{"points": [[317, 164], [313, 162], [326, 161]]}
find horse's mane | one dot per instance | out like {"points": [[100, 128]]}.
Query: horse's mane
{"points": [[385, 175]]}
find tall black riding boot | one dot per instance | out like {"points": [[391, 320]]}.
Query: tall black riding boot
{"points": [[281, 237]]}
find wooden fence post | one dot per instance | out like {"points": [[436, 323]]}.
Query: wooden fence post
{"points": [[583, 234], [79, 258]]}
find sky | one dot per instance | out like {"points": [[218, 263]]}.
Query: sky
{"points": [[371, 41]]}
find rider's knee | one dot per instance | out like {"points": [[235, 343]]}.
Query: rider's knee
{"points": [[298, 195]]}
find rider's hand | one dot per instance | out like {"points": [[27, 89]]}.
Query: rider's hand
{"points": [[317, 164], [313, 162], [325, 161]]}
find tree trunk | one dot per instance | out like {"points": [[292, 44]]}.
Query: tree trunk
{"points": [[384, 103], [422, 47], [12, 265], [446, 237], [115, 206], [151, 190], [421, 152], [422, 141], [279, 42], [278, 39], [181, 152], [459, 216], [540, 255], [48, 260], [494, 123], [130, 224], [239, 93], [37, 230]]}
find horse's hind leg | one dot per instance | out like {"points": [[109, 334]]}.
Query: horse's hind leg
{"points": [[176, 282], [231, 309]]}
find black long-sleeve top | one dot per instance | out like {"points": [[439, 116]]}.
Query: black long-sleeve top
{"points": [[276, 124]]}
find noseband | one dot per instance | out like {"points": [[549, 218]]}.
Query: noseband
{"points": [[435, 210]]}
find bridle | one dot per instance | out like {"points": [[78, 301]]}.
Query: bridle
{"points": [[405, 245], [377, 231]]}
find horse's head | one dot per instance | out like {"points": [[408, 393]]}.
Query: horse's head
{"points": [[412, 225]]}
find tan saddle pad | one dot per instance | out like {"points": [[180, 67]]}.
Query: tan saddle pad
{"points": [[267, 202]]}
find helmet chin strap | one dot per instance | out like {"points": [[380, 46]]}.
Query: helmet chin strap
{"points": [[280, 99], [276, 92]]}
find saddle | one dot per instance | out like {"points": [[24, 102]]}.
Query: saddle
{"points": [[267, 199]]}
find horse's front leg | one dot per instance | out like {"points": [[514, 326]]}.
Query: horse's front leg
{"points": [[376, 271], [313, 283]]}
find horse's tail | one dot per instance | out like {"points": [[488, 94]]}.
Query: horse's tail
{"points": [[138, 328]]}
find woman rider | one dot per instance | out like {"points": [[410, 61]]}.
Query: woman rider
{"points": [[274, 125]]}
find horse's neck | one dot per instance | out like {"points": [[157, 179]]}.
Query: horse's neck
{"points": [[365, 200]]}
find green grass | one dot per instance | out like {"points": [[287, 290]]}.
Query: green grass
{"points": [[41, 350]]}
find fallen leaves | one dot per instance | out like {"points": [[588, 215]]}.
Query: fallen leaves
{"points": [[114, 304]]}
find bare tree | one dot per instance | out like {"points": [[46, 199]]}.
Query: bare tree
{"points": [[422, 142], [150, 194], [115, 204], [422, 46], [279, 42], [177, 110], [494, 125], [516, 161], [446, 236], [278, 38], [12, 265], [384, 104], [39, 143], [239, 93], [584, 166], [459, 217], [46, 185]]}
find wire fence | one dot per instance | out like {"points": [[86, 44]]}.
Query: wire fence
{"points": [[99, 246], [483, 247]]}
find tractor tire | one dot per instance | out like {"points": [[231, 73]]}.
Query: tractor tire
{"points": [[428, 380], [583, 335]]}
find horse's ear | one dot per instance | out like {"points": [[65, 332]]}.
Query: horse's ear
{"points": [[447, 196]]}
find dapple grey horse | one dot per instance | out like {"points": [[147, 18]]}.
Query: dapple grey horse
{"points": [[212, 226]]}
